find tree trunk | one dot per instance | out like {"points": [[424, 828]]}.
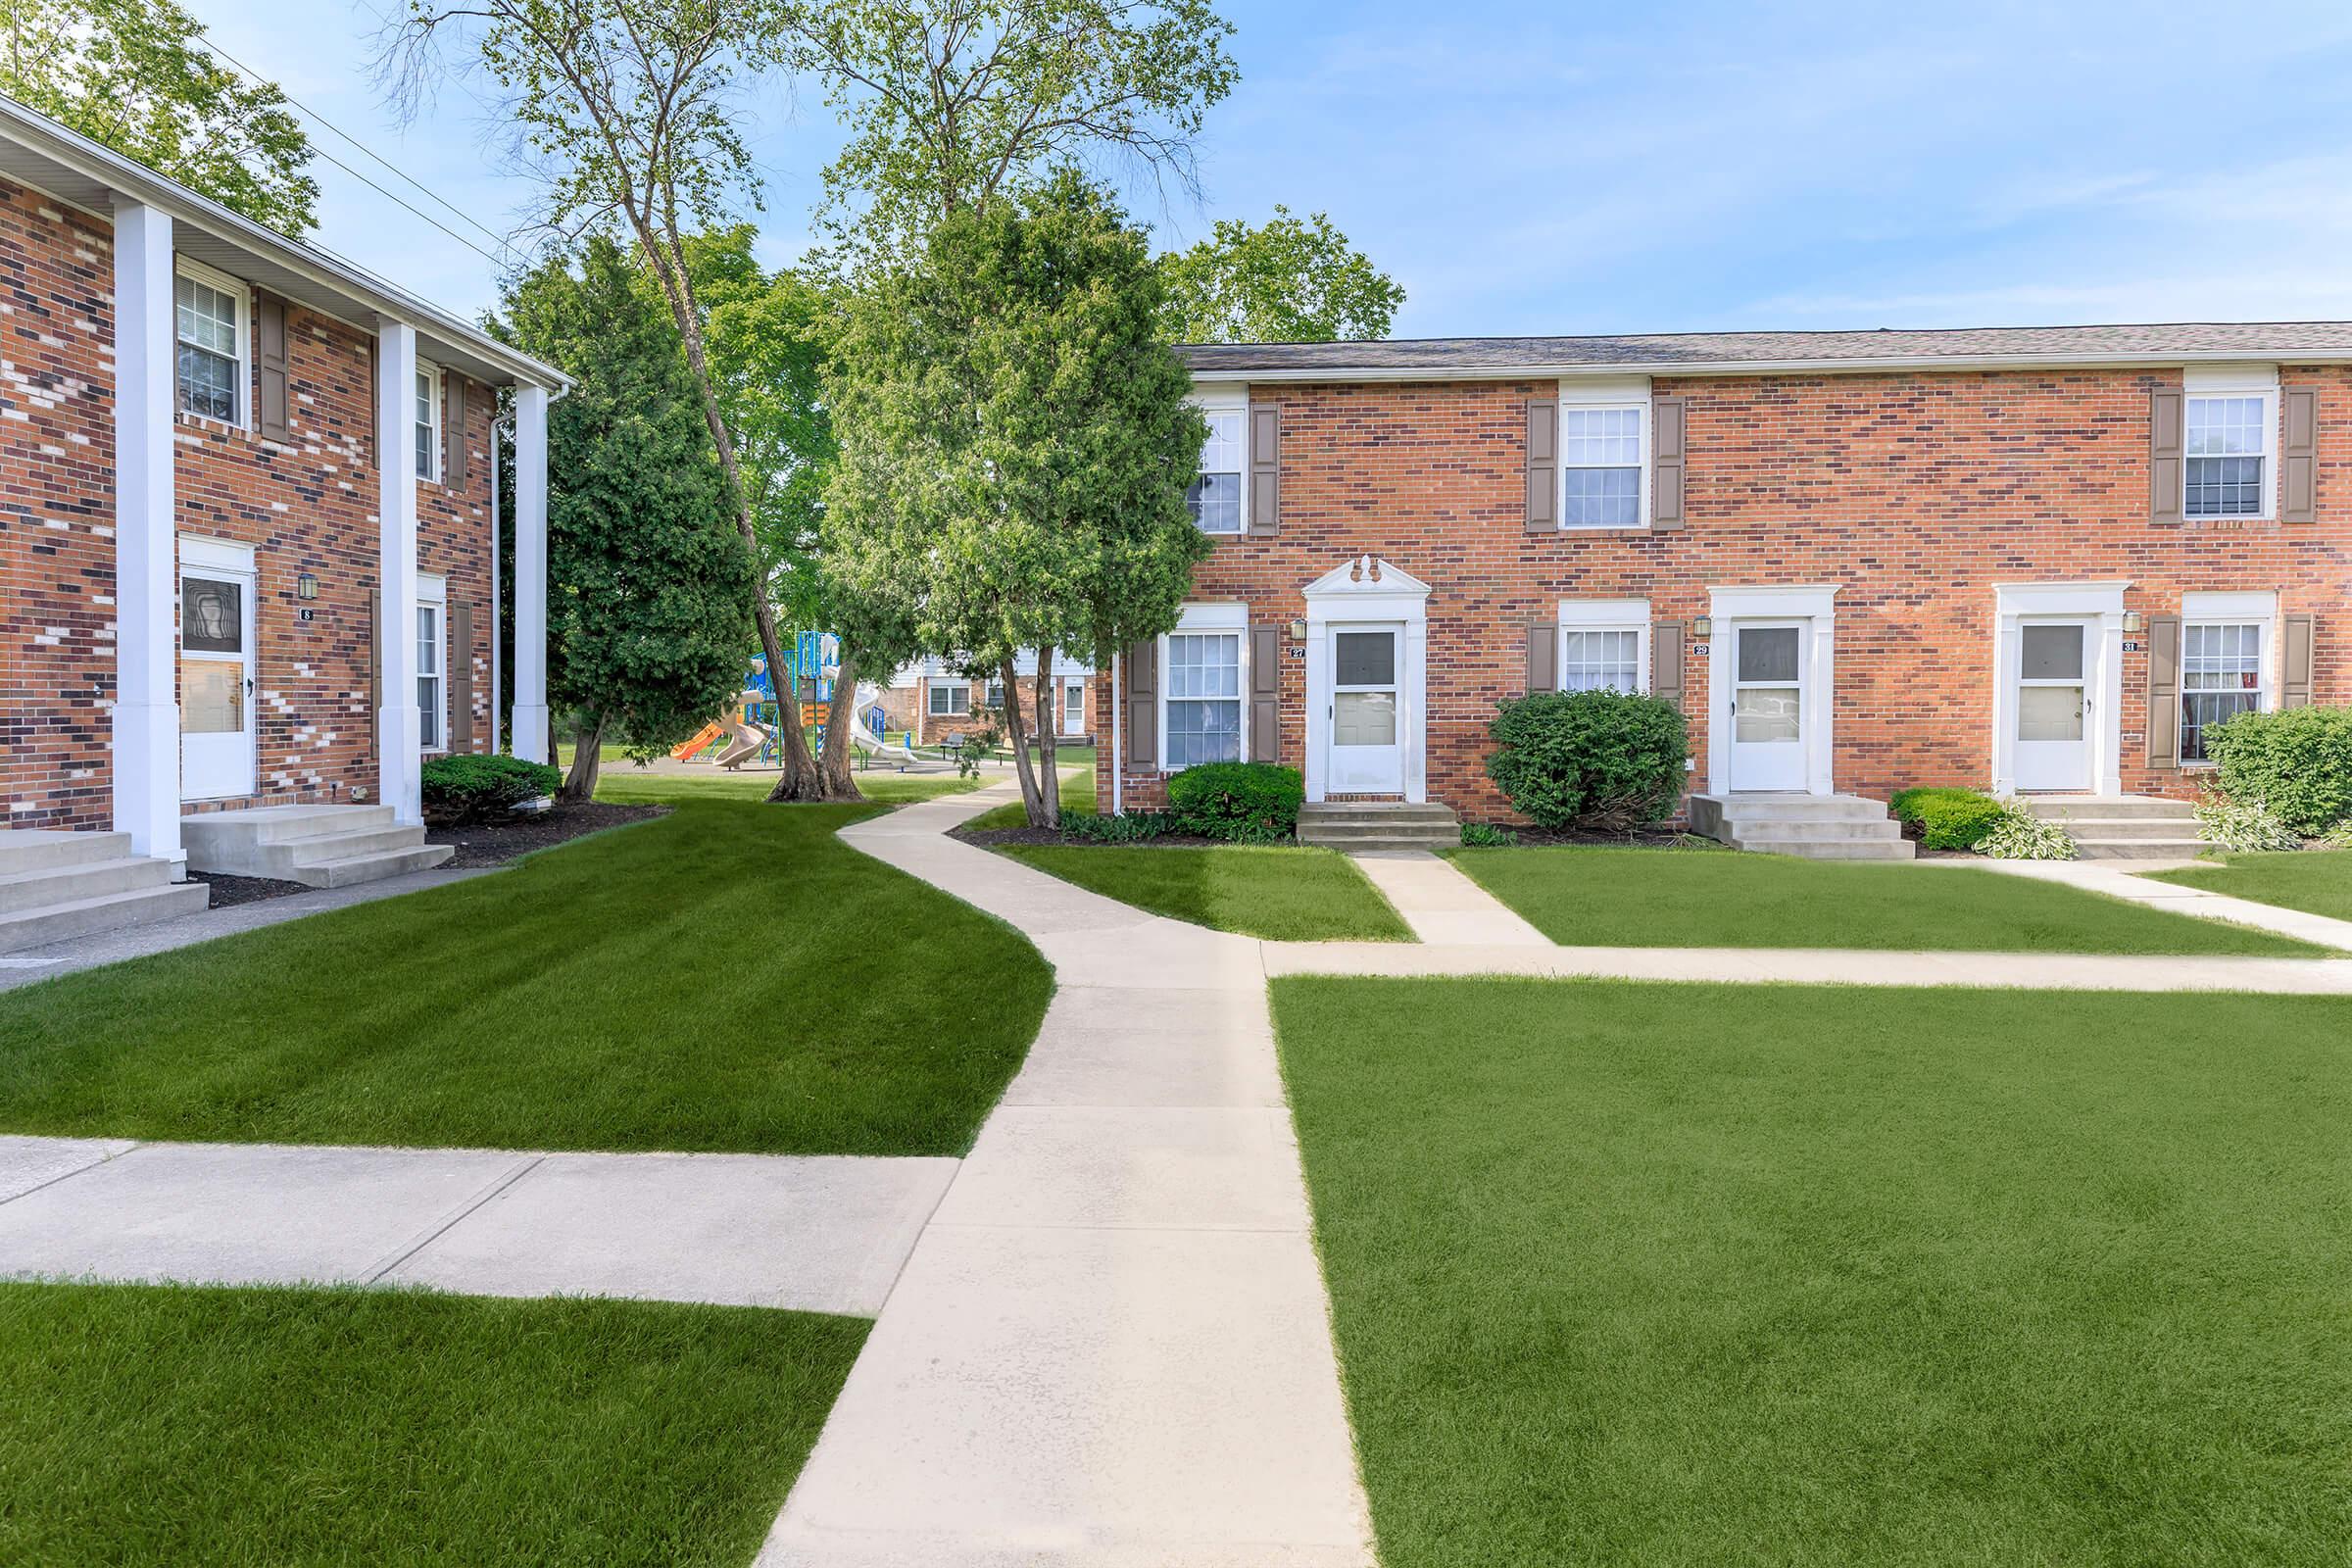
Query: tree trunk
{"points": [[1045, 702], [588, 748], [839, 752], [1032, 803]]}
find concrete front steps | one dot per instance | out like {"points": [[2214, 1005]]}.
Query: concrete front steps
{"points": [[1367, 826], [57, 884], [1812, 827], [318, 846], [2123, 827]]}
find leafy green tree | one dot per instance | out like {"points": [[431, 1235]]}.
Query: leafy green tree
{"points": [[648, 586], [135, 75], [951, 104], [1288, 281], [1016, 440]]}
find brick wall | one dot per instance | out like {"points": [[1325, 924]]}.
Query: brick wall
{"points": [[930, 731], [1915, 492], [305, 505]]}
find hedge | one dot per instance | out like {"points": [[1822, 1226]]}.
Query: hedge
{"points": [[464, 788], [1606, 762], [2296, 761], [1246, 801], [1947, 817]]}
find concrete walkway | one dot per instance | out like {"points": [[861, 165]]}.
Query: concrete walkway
{"points": [[1111, 1344], [30, 965], [823, 1234], [2111, 878], [1444, 906]]}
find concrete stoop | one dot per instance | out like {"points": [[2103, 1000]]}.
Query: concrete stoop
{"points": [[318, 846], [2123, 827], [1370, 827], [1812, 827], [55, 885]]}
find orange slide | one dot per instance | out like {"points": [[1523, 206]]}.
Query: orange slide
{"points": [[701, 738]]}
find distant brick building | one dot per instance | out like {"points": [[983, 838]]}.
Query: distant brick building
{"points": [[935, 701]]}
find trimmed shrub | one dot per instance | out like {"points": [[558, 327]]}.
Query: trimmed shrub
{"points": [[1600, 762], [470, 789], [2297, 761], [1947, 817], [1249, 803], [2243, 825], [1487, 836], [2338, 837], [1132, 828], [2019, 835]]}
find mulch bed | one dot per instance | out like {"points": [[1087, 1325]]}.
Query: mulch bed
{"points": [[497, 843], [228, 890]]}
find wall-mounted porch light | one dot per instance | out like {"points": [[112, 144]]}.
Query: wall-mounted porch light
{"points": [[305, 586], [2134, 622], [1702, 627], [1297, 631]]}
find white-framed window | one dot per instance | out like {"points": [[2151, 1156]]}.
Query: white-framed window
{"points": [[2229, 467], [428, 421], [432, 663], [1602, 460], [213, 342], [1604, 645], [995, 699], [2221, 676], [949, 699], [1201, 703], [1217, 495]]}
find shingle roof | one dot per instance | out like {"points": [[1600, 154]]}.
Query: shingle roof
{"points": [[2025, 345]]}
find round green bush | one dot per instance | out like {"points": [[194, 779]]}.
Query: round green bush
{"points": [[1949, 817], [464, 788], [2297, 761], [1601, 762], [1246, 801]]}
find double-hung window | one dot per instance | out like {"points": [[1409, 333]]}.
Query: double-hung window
{"points": [[2229, 456], [432, 666], [1601, 465], [208, 325], [428, 422], [1215, 495], [2221, 677], [1203, 698], [949, 699], [1604, 645]]}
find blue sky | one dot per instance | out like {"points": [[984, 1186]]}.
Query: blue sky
{"points": [[1586, 168]]}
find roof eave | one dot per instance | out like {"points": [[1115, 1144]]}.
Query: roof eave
{"points": [[2101, 359]]}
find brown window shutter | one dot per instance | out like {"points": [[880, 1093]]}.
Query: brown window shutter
{"points": [[1265, 687], [1266, 469], [1666, 660], [1544, 657], [270, 357], [454, 453], [1542, 464], [2294, 684], [1143, 704], [2164, 690], [1666, 420], [2165, 472], [460, 676], [2299, 456]]}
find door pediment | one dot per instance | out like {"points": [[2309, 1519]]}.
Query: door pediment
{"points": [[1367, 577]]}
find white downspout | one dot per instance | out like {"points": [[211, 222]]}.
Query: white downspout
{"points": [[1118, 749]]}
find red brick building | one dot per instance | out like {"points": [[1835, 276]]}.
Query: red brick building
{"points": [[934, 701], [2022, 560], [221, 454]]}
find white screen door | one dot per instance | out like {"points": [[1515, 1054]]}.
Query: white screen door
{"points": [[1074, 707], [1768, 706], [2053, 699], [216, 683], [1367, 739]]}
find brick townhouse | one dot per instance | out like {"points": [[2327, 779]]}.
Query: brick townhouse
{"points": [[933, 701], [222, 455], [2033, 561]]}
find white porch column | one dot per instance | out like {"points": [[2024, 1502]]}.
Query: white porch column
{"points": [[396, 733], [146, 756], [531, 573]]}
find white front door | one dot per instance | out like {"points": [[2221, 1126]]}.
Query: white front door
{"points": [[1367, 732], [2053, 705], [1768, 706], [216, 683], [1074, 707]]}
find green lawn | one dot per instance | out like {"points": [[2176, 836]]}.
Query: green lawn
{"points": [[1283, 894], [1077, 800], [1659, 898], [628, 785], [169, 1425], [729, 977], [2316, 881], [1648, 1275]]}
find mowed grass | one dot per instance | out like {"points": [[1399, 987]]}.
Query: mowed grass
{"points": [[1281, 892], [142, 1424], [629, 785], [1647, 1275], [1077, 800], [1660, 898], [729, 977], [2316, 881]]}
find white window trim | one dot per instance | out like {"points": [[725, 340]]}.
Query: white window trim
{"points": [[432, 592], [237, 290], [1211, 398], [2259, 608], [937, 685], [1604, 614], [1234, 618], [430, 472], [2236, 382], [1607, 392]]}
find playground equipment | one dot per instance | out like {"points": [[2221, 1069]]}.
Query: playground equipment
{"points": [[747, 732]]}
